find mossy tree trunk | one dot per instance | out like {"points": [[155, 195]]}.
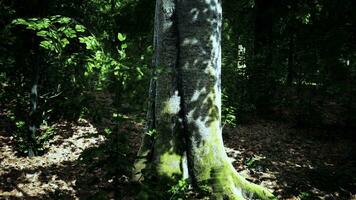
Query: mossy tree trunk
{"points": [[183, 139]]}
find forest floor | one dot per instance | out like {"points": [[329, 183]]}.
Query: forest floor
{"points": [[87, 161]]}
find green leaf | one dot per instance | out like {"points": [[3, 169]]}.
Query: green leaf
{"points": [[20, 124], [69, 32], [64, 42], [107, 131], [79, 28], [139, 71], [42, 33], [38, 24], [19, 21], [152, 132], [121, 37], [64, 20], [124, 46], [47, 45], [90, 42]]}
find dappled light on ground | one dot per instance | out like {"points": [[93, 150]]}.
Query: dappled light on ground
{"points": [[55, 172], [295, 164]]}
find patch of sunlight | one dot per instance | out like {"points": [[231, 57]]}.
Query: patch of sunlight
{"points": [[168, 6], [172, 105], [169, 164], [197, 94], [195, 13], [185, 166], [306, 83], [237, 191], [188, 41], [209, 69]]}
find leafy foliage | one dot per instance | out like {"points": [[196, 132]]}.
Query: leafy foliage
{"points": [[179, 191], [74, 59]]}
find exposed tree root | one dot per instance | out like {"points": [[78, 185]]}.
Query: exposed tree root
{"points": [[229, 184]]}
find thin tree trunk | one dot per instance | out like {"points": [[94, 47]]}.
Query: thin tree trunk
{"points": [[261, 75], [291, 70], [33, 116]]}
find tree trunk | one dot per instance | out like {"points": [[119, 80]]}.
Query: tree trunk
{"points": [[183, 139], [290, 69], [261, 73], [34, 115]]}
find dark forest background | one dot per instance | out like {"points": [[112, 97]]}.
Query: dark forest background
{"points": [[284, 61]]}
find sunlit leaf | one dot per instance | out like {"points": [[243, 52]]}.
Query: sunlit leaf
{"points": [[69, 32], [47, 45], [42, 33], [124, 46], [64, 42], [79, 28], [121, 37]]}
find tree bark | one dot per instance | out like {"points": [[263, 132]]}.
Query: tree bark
{"points": [[261, 74], [33, 115], [33, 122], [183, 139]]}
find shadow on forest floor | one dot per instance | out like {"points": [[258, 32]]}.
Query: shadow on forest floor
{"points": [[85, 165], [295, 163], [81, 163]]}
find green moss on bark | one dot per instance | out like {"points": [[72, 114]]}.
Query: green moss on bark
{"points": [[170, 165]]}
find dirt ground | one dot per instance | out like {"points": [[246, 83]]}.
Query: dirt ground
{"points": [[293, 163]]}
